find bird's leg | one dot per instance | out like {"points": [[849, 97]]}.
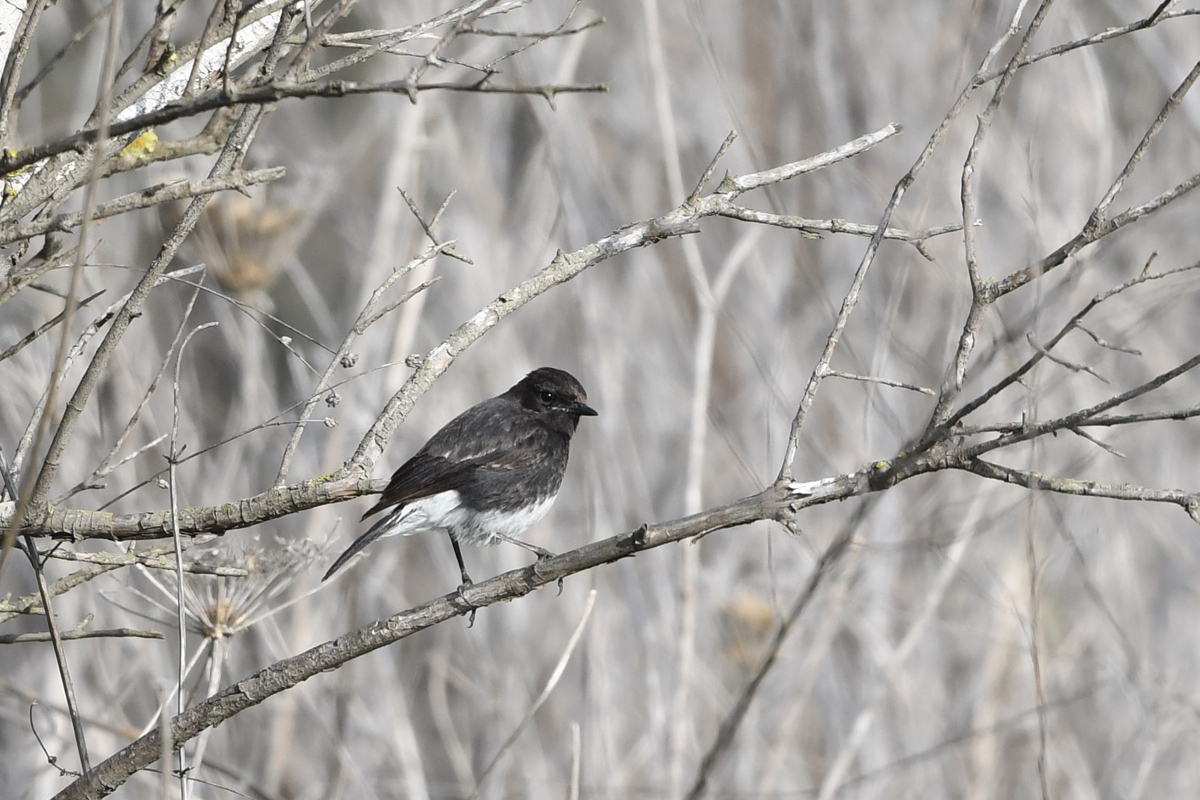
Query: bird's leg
{"points": [[462, 567], [466, 580], [541, 552]]}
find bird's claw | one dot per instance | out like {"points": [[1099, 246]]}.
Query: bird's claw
{"points": [[460, 591]]}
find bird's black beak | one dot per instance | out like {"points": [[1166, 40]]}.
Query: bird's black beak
{"points": [[584, 410]]}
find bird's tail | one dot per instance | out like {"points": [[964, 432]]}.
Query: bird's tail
{"points": [[374, 532]]}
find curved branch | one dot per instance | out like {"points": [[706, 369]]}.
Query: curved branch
{"points": [[282, 675]]}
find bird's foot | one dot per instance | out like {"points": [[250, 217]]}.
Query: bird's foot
{"points": [[460, 591], [542, 553]]}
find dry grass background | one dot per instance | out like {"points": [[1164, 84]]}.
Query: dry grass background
{"points": [[910, 675]]}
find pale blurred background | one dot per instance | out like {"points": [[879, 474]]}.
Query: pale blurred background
{"points": [[942, 560]]}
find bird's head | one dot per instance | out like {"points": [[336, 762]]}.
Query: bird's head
{"points": [[554, 395]]}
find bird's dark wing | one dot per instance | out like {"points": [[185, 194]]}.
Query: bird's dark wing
{"points": [[421, 476], [485, 437], [481, 430], [424, 475]]}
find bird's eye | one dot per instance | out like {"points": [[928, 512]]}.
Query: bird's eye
{"points": [[547, 397]]}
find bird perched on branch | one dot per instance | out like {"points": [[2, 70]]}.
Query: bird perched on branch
{"points": [[490, 473]]}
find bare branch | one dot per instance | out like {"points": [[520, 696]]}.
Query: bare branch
{"points": [[981, 298], [1071, 324], [145, 198], [1036, 480], [814, 227], [1100, 212], [15, 59], [109, 633], [833, 373], [155, 558], [712, 165], [263, 94], [1062, 362], [33, 335]]}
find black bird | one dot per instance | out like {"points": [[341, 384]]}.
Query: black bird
{"points": [[490, 473]]}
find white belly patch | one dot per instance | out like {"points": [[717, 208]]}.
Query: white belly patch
{"points": [[445, 511]]}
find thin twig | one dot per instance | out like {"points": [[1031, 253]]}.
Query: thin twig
{"points": [[360, 328], [108, 633], [144, 198], [1062, 362], [31, 604], [1035, 651], [33, 335], [1081, 433], [1160, 14], [155, 558], [342, 358], [267, 93], [833, 373], [387, 42], [84, 31], [981, 294], [428, 226], [732, 723], [819, 226], [106, 467], [712, 165], [1034, 430], [1100, 212], [1039, 481], [177, 538], [1106, 344], [206, 40], [1070, 325], [16, 54], [60, 656], [551, 682]]}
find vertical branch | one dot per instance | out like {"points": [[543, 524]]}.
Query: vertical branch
{"points": [[733, 722], [52, 626], [891, 668], [17, 50], [701, 372], [982, 295], [551, 682], [60, 656], [1034, 653], [206, 39], [180, 615]]}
